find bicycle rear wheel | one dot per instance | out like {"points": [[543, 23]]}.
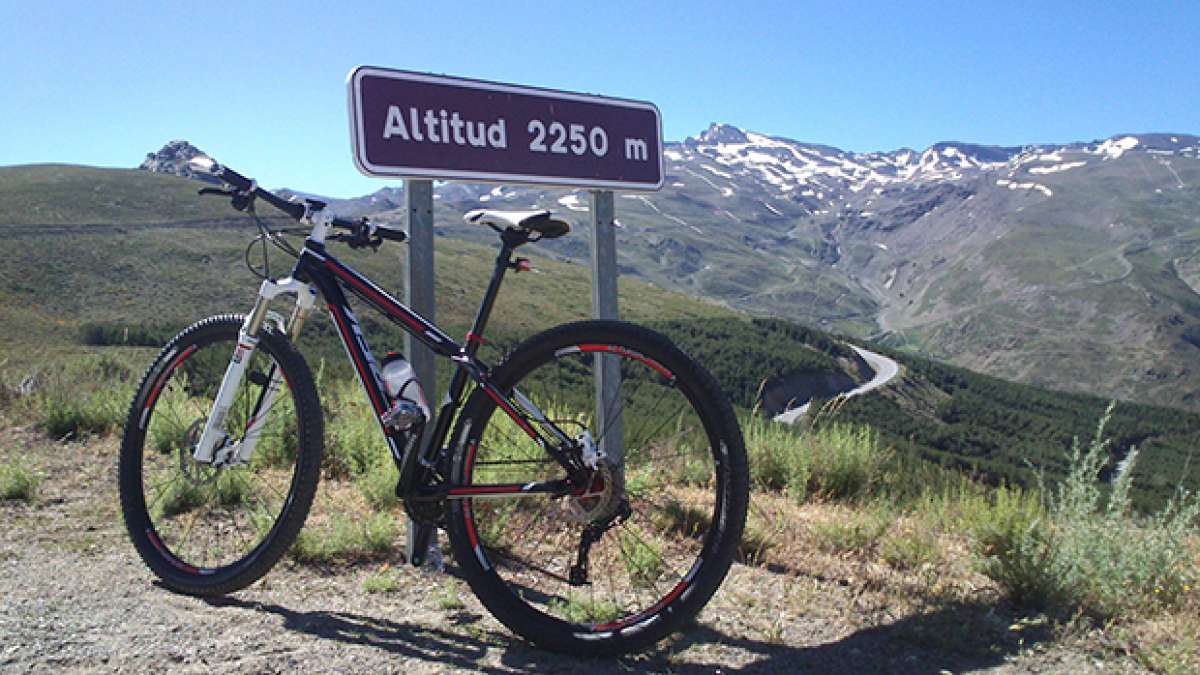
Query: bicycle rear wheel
{"points": [[683, 478], [206, 530]]}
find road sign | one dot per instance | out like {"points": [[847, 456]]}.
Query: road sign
{"points": [[417, 125]]}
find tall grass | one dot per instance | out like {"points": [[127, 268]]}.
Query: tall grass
{"points": [[836, 461], [79, 397], [1092, 553]]}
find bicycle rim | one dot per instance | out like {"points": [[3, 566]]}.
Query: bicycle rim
{"points": [[673, 480]]}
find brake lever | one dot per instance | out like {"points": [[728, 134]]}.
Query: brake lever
{"points": [[216, 191], [357, 241]]}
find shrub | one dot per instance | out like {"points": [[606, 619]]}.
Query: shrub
{"points": [[385, 581], [18, 483], [378, 486], [907, 547], [136, 335], [449, 598], [779, 459], [347, 537], [354, 444], [858, 532], [67, 413], [1094, 555], [580, 608]]}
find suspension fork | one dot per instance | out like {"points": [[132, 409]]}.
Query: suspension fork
{"points": [[213, 438]]}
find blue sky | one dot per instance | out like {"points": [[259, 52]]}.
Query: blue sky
{"points": [[261, 86]]}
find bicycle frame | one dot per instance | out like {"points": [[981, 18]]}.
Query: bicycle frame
{"points": [[318, 272]]}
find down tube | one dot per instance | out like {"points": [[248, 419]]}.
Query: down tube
{"points": [[382, 301], [360, 357]]}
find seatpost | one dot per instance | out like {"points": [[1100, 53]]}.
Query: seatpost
{"points": [[503, 262]]}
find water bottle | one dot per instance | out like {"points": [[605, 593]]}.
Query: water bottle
{"points": [[408, 406]]}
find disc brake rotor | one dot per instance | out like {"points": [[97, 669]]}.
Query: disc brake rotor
{"points": [[194, 471]]}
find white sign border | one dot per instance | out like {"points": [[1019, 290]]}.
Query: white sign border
{"points": [[358, 134]]}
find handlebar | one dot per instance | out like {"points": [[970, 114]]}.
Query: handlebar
{"points": [[246, 190]]}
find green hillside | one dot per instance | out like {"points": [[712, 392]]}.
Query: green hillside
{"points": [[1004, 432], [75, 278]]}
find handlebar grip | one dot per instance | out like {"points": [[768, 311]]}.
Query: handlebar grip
{"points": [[391, 234], [234, 178], [206, 165]]}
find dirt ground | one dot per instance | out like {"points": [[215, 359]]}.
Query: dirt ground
{"points": [[74, 596]]}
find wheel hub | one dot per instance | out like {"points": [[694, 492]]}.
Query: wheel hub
{"points": [[594, 502]]}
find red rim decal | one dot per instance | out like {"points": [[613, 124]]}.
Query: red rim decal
{"points": [[667, 599], [162, 379], [614, 349], [168, 555], [470, 513]]}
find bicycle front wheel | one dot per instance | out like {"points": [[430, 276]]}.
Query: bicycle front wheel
{"points": [[206, 530], [620, 564]]}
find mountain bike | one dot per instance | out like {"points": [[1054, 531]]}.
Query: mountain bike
{"points": [[587, 519]]}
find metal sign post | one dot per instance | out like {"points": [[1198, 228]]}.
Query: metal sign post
{"points": [[419, 294], [609, 420]]}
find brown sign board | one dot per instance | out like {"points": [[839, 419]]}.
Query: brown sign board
{"points": [[416, 125]]}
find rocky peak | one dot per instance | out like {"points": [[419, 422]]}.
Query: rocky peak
{"points": [[173, 158], [723, 133]]}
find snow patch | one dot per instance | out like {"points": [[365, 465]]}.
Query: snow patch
{"points": [[881, 245], [649, 203], [772, 209], [717, 171], [573, 202], [1115, 147], [1013, 185], [1065, 166]]}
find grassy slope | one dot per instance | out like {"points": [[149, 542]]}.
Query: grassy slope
{"points": [[59, 194], [1081, 292], [171, 269], [1009, 432]]}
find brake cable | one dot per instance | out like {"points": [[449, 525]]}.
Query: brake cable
{"points": [[267, 235]]}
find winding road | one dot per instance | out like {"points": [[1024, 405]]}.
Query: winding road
{"points": [[885, 369]]}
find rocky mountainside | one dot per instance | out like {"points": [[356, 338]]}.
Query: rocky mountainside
{"points": [[1072, 266]]}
